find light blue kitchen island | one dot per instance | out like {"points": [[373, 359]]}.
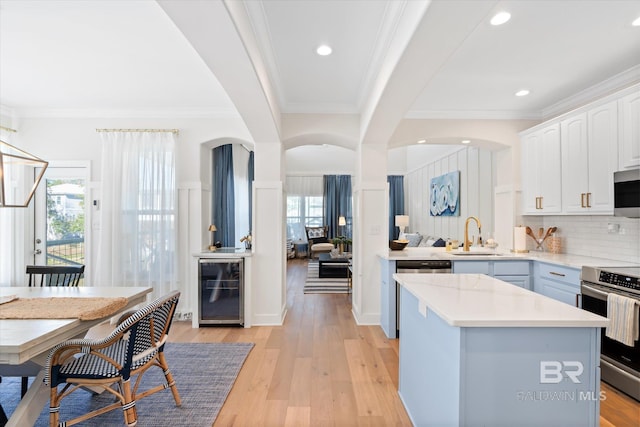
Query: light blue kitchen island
{"points": [[477, 351]]}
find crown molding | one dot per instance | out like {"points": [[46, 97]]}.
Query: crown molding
{"points": [[473, 115], [606, 87]]}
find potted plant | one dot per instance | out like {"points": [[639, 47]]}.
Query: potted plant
{"points": [[340, 241]]}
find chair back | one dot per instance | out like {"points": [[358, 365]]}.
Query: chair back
{"points": [[143, 333], [147, 330], [55, 275], [317, 234]]}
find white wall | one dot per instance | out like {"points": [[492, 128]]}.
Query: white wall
{"points": [[72, 139], [476, 194], [310, 160]]}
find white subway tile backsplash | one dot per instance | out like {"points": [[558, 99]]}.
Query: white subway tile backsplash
{"points": [[589, 235]]}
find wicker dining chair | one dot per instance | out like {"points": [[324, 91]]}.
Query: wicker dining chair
{"points": [[136, 345], [45, 275], [55, 275]]}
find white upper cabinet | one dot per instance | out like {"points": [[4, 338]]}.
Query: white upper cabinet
{"points": [[541, 171], [589, 143], [630, 130]]}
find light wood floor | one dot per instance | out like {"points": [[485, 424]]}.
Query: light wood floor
{"points": [[320, 368]]}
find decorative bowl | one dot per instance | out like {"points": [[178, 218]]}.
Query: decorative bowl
{"points": [[398, 245]]}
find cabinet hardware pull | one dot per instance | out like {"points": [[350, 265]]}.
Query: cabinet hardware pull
{"points": [[557, 274], [577, 300], [582, 200], [588, 200], [540, 202]]}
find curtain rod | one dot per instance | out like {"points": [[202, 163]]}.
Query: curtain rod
{"points": [[8, 129], [176, 131]]}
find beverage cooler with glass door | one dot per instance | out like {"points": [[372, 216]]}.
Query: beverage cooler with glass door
{"points": [[221, 293]]}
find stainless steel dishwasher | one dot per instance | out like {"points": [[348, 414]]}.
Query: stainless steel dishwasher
{"points": [[419, 267]]}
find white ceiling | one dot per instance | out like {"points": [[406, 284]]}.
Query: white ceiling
{"points": [[118, 57]]}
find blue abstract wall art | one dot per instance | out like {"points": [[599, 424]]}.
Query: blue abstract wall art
{"points": [[445, 195]]}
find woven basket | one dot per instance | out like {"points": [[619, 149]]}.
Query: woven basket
{"points": [[398, 245]]}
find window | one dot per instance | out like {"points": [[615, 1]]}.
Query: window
{"points": [[303, 211]]}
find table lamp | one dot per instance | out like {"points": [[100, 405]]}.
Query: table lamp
{"points": [[341, 223], [402, 221], [212, 229]]}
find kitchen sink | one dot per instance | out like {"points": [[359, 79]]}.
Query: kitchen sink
{"points": [[475, 254]]}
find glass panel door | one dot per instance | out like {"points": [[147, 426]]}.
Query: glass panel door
{"points": [[60, 217]]}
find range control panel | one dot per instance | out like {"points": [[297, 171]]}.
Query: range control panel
{"points": [[620, 280]]}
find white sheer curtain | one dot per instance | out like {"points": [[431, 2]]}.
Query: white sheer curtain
{"points": [[304, 185], [138, 225], [299, 189]]}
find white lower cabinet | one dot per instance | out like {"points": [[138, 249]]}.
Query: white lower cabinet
{"points": [[557, 282]]}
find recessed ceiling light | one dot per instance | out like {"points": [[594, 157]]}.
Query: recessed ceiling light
{"points": [[500, 18], [523, 92], [324, 50], [466, 141], [421, 141], [636, 23]]}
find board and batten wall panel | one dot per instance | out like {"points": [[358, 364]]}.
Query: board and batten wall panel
{"points": [[476, 194]]}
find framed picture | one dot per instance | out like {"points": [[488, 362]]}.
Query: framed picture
{"points": [[445, 195]]}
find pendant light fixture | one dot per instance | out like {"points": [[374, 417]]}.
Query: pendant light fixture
{"points": [[17, 184]]}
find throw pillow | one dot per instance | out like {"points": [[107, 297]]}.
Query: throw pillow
{"points": [[428, 241], [321, 240], [413, 238], [440, 243], [314, 233]]}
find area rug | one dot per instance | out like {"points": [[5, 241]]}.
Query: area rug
{"points": [[316, 285], [204, 374]]}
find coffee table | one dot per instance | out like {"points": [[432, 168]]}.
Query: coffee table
{"points": [[330, 267]]}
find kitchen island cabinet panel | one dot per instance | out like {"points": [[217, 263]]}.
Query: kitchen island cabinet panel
{"points": [[478, 367]]}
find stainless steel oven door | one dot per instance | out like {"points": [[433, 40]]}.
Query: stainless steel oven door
{"points": [[620, 364]]}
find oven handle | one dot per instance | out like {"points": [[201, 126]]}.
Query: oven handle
{"points": [[595, 293]]}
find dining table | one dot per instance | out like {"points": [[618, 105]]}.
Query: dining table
{"points": [[29, 340]]}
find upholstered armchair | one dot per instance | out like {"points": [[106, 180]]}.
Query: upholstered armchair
{"points": [[318, 240]]}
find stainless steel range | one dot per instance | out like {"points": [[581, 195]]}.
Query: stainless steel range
{"points": [[620, 364]]}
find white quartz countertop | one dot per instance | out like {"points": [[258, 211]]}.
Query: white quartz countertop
{"points": [[485, 254], [224, 253], [477, 300]]}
